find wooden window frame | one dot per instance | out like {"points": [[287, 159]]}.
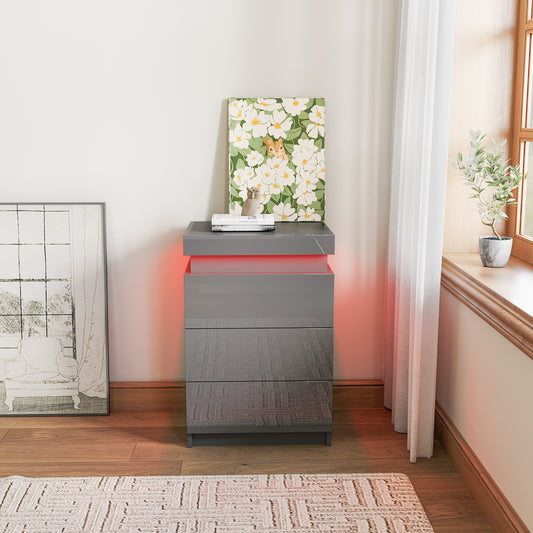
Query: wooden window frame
{"points": [[522, 245]]}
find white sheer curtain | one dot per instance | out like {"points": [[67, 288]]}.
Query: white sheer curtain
{"points": [[89, 298], [420, 153]]}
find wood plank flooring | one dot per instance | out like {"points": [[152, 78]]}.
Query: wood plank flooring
{"points": [[145, 435]]}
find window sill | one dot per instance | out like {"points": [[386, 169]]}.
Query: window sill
{"points": [[503, 297]]}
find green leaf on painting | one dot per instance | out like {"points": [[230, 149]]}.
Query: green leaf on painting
{"points": [[293, 134], [289, 148], [256, 143]]}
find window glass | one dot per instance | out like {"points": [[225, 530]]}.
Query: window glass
{"points": [[521, 217], [35, 276], [527, 111], [526, 223]]}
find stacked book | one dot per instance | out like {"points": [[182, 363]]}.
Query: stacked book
{"points": [[242, 223]]}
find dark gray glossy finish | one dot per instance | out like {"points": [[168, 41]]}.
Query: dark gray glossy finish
{"points": [[258, 300], [259, 354], [258, 407], [288, 238]]}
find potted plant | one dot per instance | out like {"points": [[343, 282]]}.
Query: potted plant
{"points": [[492, 181]]}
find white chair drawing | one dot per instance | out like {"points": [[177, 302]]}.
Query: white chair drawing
{"points": [[41, 370]]}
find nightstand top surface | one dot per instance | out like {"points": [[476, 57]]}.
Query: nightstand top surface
{"points": [[288, 238]]}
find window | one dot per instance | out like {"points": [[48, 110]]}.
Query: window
{"points": [[521, 219], [35, 276]]}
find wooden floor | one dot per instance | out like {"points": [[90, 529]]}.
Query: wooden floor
{"points": [[145, 435]]}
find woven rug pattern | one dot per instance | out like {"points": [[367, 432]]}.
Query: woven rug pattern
{"points": [[360, 503]]}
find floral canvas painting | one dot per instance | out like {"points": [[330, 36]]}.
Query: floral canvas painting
{"points": [[277, 157]]}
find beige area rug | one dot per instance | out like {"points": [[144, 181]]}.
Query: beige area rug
{"points": [[361, 503]]}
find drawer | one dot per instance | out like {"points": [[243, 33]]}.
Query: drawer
{"points": [[276, 354], [258, 300], [260, 407]]}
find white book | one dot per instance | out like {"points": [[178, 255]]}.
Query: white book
{"points": [[224, 222], [224, 219], [241, 227]]}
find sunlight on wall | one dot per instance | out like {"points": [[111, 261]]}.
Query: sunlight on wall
{"points": [[481, 100]]}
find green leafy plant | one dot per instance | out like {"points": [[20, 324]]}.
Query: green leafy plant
{"points": [[490, 177]]}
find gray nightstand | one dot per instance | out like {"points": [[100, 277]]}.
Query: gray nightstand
{"points": [[259, 334]]}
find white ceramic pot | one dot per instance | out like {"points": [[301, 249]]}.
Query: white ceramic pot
{"points": [[495, 252]]}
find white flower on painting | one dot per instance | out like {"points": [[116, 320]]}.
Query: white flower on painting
{"points": [[267, 104], [238, 109], [306, 145], [257, 181], [249, 172], [303, 195], [243, 193], [265, 197], [257, 122], [307, 179], [317, 118], [318, 115], [285, 176], [320, 164], [239, 137], [277, 164], [315, 129], [284, 212], [241, 176], [275, 189], [266, 174], [294, 106], [281, 124], [302, 155], [308, 215], [254, 158]]}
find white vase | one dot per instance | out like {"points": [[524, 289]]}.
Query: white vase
{"points": [[495, 252]]}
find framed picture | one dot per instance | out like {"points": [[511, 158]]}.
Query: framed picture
{"points": [[277, 157], [53, 310]]}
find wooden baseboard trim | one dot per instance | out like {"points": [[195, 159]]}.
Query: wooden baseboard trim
{"points": [[147, 384], [168, 395], [484, 489], [358, 383], [181, 384]]}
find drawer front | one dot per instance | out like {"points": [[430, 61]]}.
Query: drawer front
{"points": [[248, 407], [276, 354], [258, 300]]}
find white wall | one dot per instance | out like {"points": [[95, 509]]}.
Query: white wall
{"points": [[484, 385], [124, 102]]}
